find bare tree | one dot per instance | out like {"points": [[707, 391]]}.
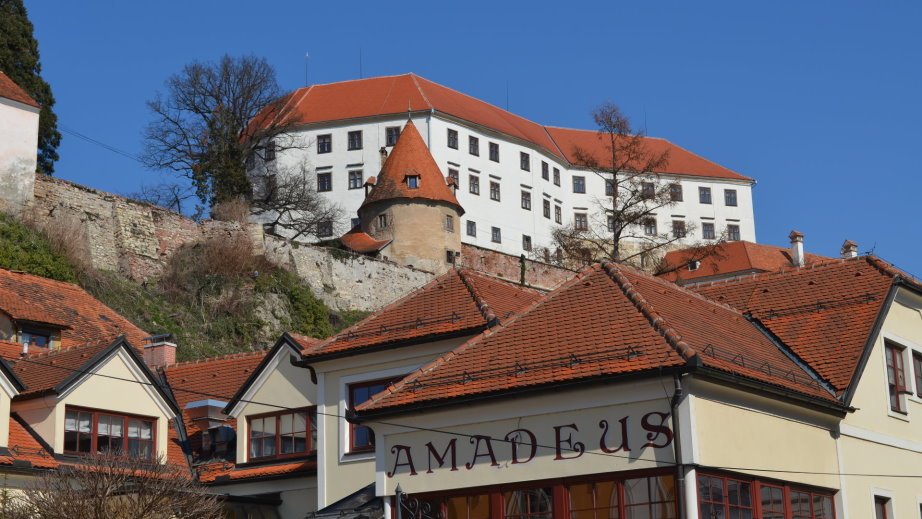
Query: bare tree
{"points": [[168, 195], [116, 487], [623, 226], [288, 200], [212, 119]]}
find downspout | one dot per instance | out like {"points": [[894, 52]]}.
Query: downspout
{"points": [[677, 395]]}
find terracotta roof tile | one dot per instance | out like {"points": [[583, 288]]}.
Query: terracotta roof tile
{"points": [[42, 373], [824, 312], [83, 317], [362, 242], [457, 301], [605, 322], [23, 446], [219, 472], [731, 257], [393, 95], [411, 158], [10, 90]]}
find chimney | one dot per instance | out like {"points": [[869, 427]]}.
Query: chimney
{"points": [[797, 248], [160, 351], [849, 249]]}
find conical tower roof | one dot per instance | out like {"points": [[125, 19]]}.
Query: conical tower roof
{"points": [[411, 158]]}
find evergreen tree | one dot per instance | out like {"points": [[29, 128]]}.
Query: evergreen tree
{"points": [[19, 60]]}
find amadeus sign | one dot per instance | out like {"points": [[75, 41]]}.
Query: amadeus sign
{"points": [[543, 440]]}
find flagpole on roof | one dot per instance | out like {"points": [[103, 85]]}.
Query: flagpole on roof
{"points": [[306, 57]]}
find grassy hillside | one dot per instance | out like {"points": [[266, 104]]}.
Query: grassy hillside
{"points": [[214, 297]]}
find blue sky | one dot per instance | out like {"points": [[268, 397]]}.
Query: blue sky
{"points": [[819, 101]]}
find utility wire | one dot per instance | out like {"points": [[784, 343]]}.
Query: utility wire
{"points": [[91, 140], [460, 434]]}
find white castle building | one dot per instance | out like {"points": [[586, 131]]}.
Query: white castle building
{"points": [[516, 179]]}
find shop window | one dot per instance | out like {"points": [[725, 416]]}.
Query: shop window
{"points": [[599, 500], [530, 503], [806, 505], [726, 497], [468, 507], [650, 497], [361, 437], [771, 499], [284, 434], [89, 432]]}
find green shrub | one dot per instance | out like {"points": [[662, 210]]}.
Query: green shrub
{"points": [[24, 249]]}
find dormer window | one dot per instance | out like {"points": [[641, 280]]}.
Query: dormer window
{"points": [[35, 337], [281, 435], [88, 432], [413, 181]]}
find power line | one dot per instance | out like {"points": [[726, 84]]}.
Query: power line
{"points": [[109, 147], [460, 434]]}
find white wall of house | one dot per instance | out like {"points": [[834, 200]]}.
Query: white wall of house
{"points": [[18, 148], [507, 214]]}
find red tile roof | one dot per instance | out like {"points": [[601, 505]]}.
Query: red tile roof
{"points": [[608, 321], [456, 302], [362, 242], [393, 95], [11, 90], [411, 157], [221, 472], [217, 378], [83, 318], [728, 258], [824, 312], [23, 446], [44, 372], [680, 161]]}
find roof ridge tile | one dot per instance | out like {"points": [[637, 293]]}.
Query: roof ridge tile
{"points": [[482, 305]]}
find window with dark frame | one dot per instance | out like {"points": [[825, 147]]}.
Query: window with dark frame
{"points": [[324, 182], [91, 432], [545, 170], [324, 143], [361, 437], [526, 200], [704, 195], [730, 197], [896, 376], [609, 187], [472, 228], [251, 161], [391, 134], [733, 232], [494, 191], [355, 179], [678, 229], [473, 184], [707, 231], [325, 228], [649, 226], [496, 235], [579, 184], [450, 257], [547, 209], [524, 161], [611, 223], [558, 214], [917, 371], [580, 222], [282, 435], [452, 139], [556, 176], [270, 151], [453, 174], [449, 223], [355, 140], [356, 222], [473, 146], [647, 190], [382, 221], [526, 242], [494, 152], [675, 192], [412, 181]]}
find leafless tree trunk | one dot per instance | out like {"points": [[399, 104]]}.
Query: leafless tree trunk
{"points": [[114, 487], [288, 200]]}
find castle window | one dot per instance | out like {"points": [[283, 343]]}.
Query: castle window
{"points": [[355, 140], [525, 161], [496, 236], [547, 209], [453, 174], [391, 133], [450, 257], [526, 242], [473, 146], [704, 195], [472, 228], [473, 184], [251, 162], [647, 190], [707, 231], [733, 233], [526, 200], [324, 144], [382, 221], [545, 171], [494, 152], [494, 191], [580, 222], [730, 197], [678, 229], [413, 181], [270, 151], [579, 184], [356, 222], [649, 226], [325, 228], [324, 182], [453, 139], [609, 187], [355, 179], [558, 214], [675, 192], [449, 223], [556, 176]]}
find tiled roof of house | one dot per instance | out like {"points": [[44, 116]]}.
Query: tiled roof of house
{"points": [[362, 242], [728, 258], [608, 321], [82, 317], [10, 90], [455, 302], [217, 378], [226, 472], [411, 158], [680, 161], [825, 312], [393, 95], [23, 446], [42, 373]]}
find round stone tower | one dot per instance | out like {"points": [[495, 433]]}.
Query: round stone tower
{"points": [[411, 205]]}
